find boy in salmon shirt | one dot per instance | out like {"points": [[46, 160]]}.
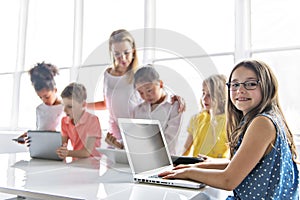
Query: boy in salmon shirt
{"points": [[79, 126]]}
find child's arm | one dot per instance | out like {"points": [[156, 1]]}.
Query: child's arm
{"points": [[190, 138], [188, 143], [21, 139], [257, 142], [62, 151], [180, 101], [85, 152], [99, 105], [172, 130]]}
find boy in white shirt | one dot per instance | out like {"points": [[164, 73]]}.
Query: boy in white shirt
{"points": [[157, 104]]}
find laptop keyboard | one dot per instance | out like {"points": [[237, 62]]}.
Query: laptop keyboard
{"points": [[154, 176], [151, 179]]}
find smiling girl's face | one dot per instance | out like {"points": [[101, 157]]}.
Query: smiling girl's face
{"points": [[243, 99]]}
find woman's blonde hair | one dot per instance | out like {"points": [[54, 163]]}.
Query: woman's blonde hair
{"points": [[270, 102], [122, 35]]}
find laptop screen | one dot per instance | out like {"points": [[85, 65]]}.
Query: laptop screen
{"points": [[145, 144]]}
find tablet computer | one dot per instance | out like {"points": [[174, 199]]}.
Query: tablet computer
{"points": [[115, 155], [43, 144]]}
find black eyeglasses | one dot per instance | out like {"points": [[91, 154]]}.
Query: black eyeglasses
{"points": [[248, 85]]}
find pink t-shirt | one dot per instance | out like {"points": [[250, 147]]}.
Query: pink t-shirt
{"points": [[88, 126]]}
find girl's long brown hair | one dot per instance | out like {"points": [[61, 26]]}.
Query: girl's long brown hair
{"points": [[269, 102]]}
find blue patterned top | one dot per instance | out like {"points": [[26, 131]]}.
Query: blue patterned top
{"points": [[276, 176]]}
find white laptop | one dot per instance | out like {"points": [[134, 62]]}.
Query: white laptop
{"points": [[147, 152], [43, 144]]}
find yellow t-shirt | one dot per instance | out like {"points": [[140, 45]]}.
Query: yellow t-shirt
{"points": [[205, 140]]}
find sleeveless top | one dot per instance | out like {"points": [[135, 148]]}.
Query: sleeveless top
{"points": [[276, 176]]}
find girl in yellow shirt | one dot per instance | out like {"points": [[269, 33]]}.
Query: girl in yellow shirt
{"points": [[207, 129]]}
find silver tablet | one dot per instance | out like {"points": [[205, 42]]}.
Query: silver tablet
{"points": [[43, 144]]}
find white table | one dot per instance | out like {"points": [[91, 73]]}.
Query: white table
{"points": [[84, 179]]}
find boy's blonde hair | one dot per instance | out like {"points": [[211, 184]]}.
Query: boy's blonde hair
{"points": [[75, 91]]}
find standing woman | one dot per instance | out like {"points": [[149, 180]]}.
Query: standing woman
{"points": [[120, 97], [263, 161]]}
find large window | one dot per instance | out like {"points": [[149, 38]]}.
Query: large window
{"points": [[101, 18], [276, 40], [285, 65], [274, 23], [6, 86], [9, 16], [209, 23], [49, 34], [199, 40]]}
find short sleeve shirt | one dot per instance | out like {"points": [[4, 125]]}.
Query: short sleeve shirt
{"points": [[88, 126], [49, 117]]}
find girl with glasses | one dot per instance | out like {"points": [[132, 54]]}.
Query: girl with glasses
{"points": [[263, 161]]}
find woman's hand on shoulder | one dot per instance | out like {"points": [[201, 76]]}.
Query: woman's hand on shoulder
{"points": [[181, 103]]}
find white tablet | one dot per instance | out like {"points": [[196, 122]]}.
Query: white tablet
{"points": [[115, 155]]}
